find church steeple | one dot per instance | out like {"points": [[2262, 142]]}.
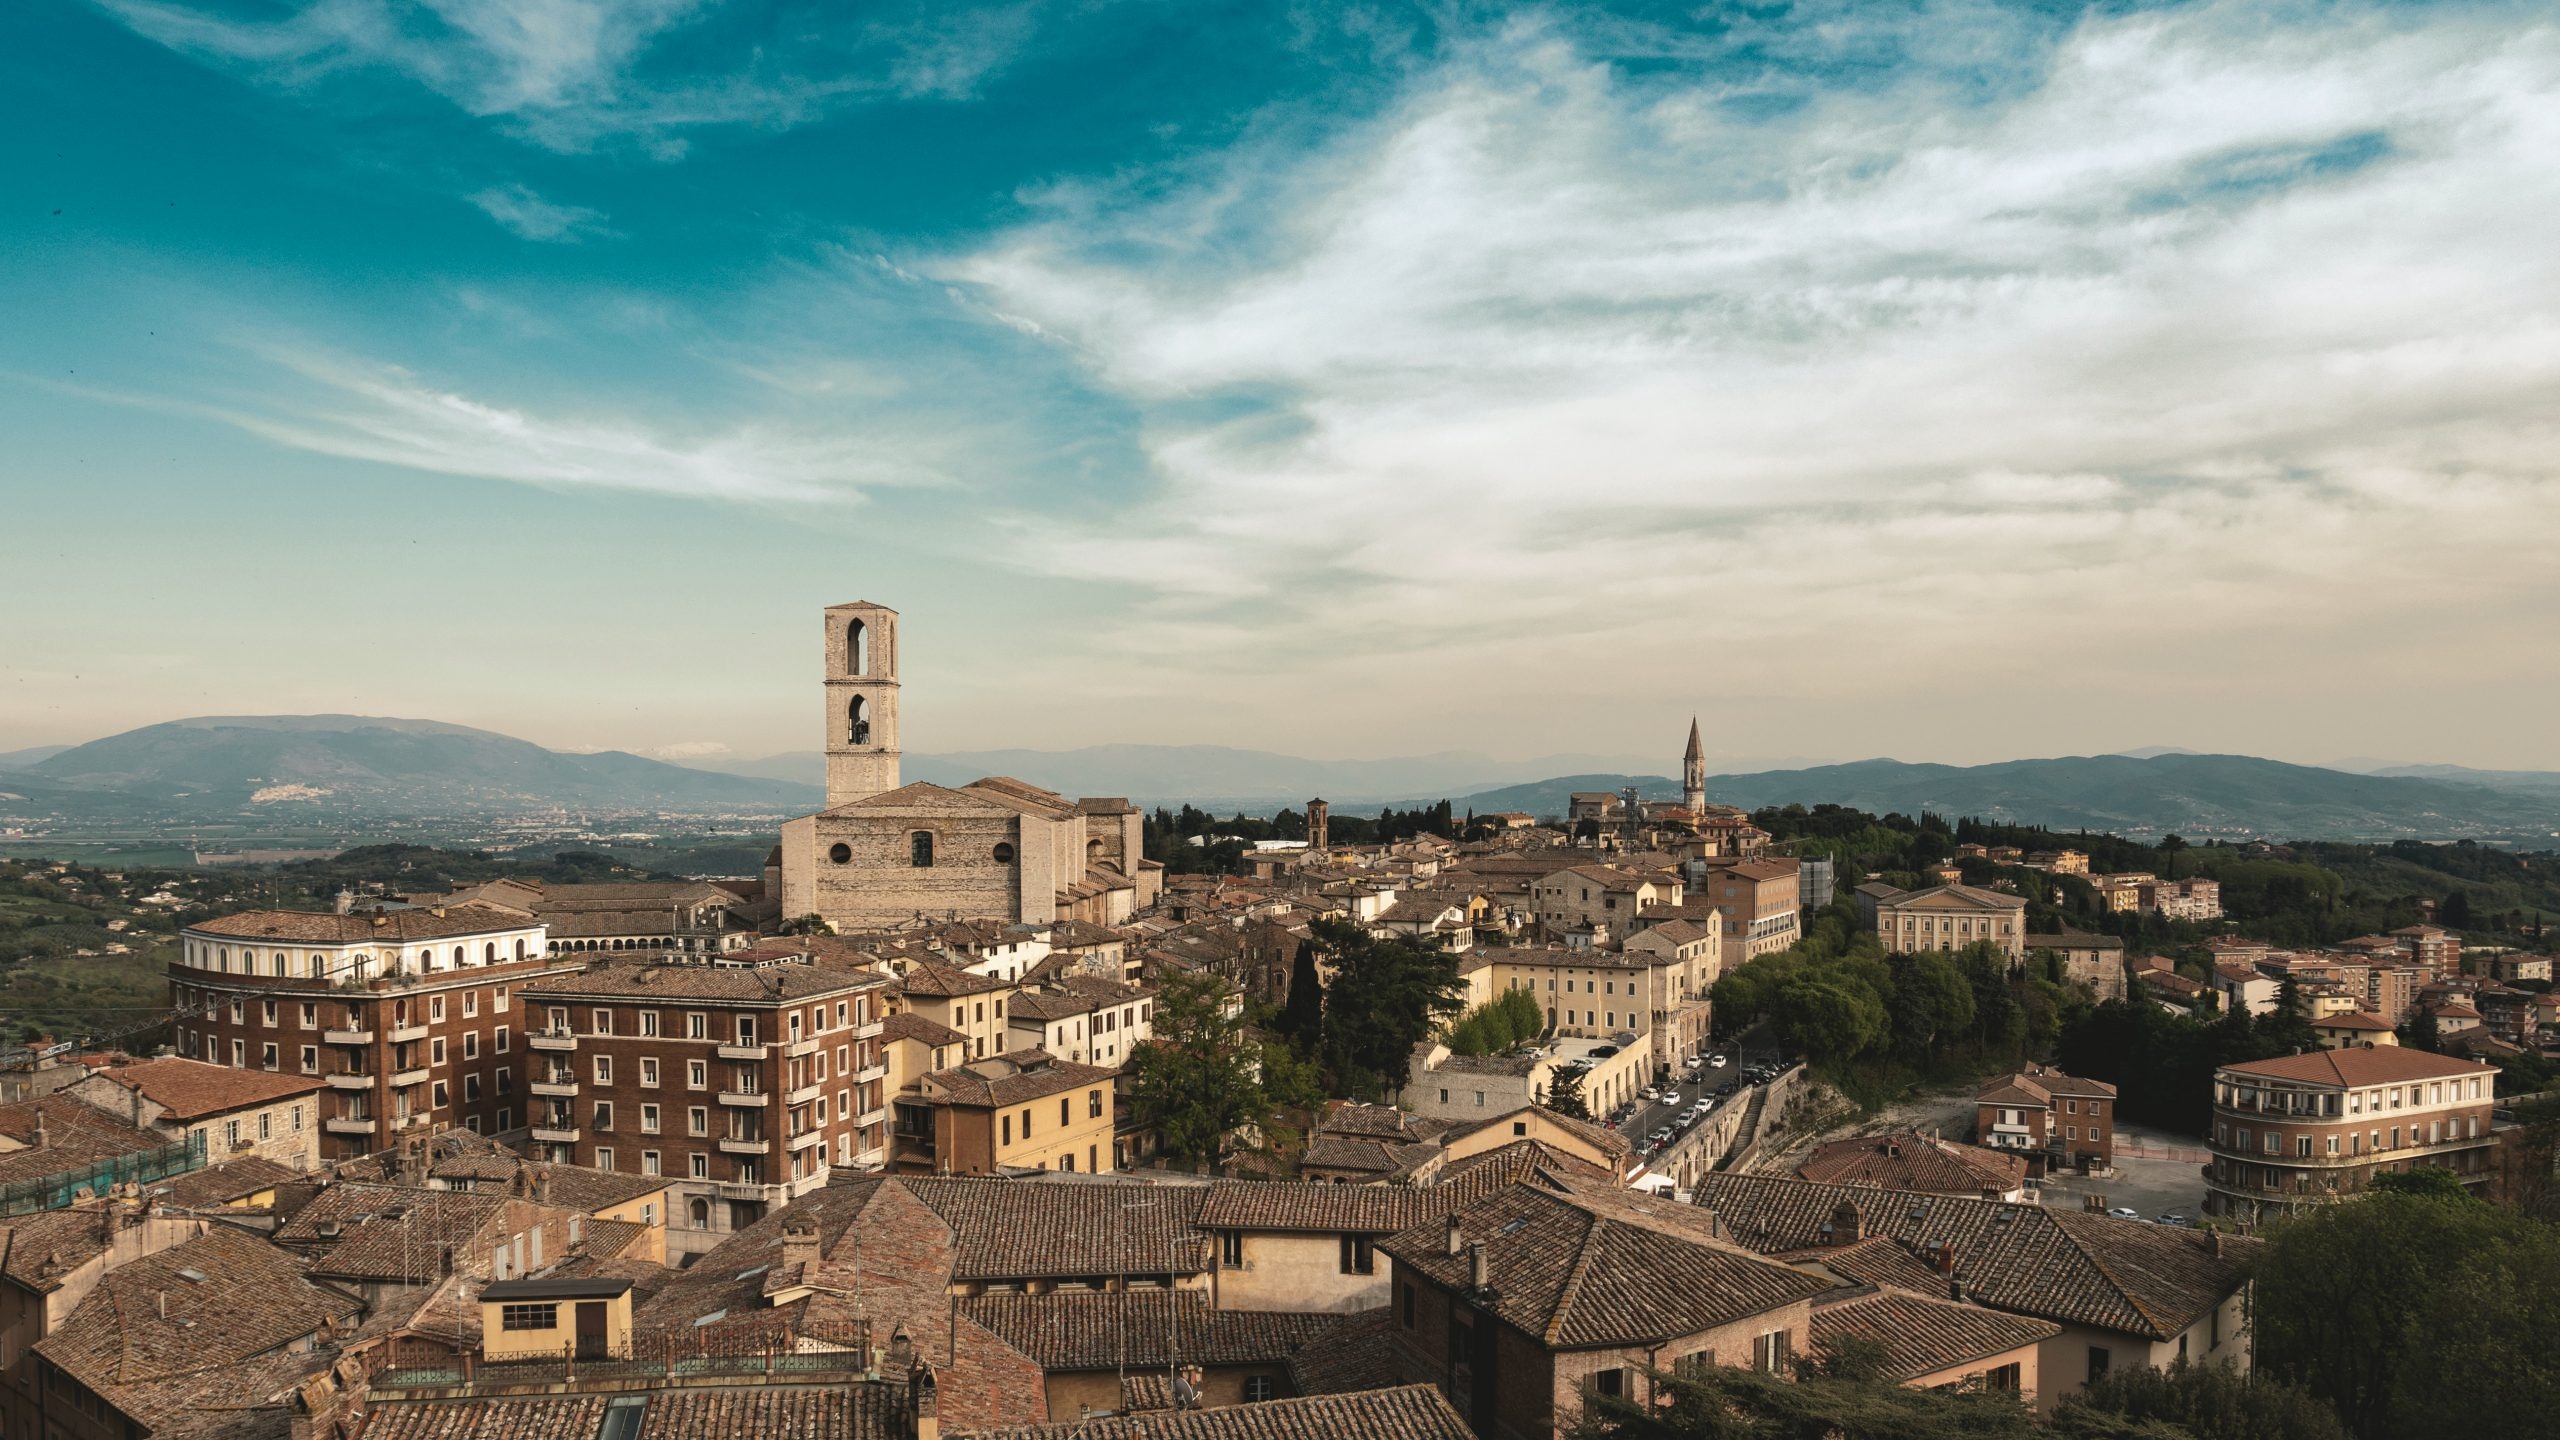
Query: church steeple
{"points": [[1693, 772]]}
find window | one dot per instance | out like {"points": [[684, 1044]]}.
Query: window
{"points": [[471, 1087], [604, 1069], [435, 1009], [310, 1059], [2001, 1377], [528, 1317], [648, 1119], [506, 1086], [435, 1051], [604, 1114], [470, 1044], [470, 1004], [1063, 1116], [1257, 1388], [604, 1159], [1769, 1353], [697, 1075], [1408, 1305], [697, 1121], [310, 1017], [603, 1022], [1093, 1103], [501, 1046], [1231, 1248], [648, 1162], [1006, 1122], [649, 1071], [920, 849], [442, 1095], [1358, 1256], [499, 1001], [697, 1026], [649, 1022], [1611, 1382], [698, 1166], [2098, 1358], [840, 853]]}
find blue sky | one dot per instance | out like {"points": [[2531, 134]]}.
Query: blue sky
{"points": [[1955, 381]]}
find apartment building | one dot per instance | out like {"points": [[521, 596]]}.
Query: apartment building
{"points": [[1027, 1110], [2053, 1119], [407, 1016], [1757, 899], [2303, 1129], [743, 1081], [1589, 896]]}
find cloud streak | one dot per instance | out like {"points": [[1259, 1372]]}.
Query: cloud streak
{"points": [[2236, 300], [526, 215]]}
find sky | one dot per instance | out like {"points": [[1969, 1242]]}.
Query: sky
{"points": [[1952, 381]]}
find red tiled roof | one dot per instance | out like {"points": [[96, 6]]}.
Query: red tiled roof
{"points": [[193, 1089], [2382, 1065]]}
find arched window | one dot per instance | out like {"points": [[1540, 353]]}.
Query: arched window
{"points": [[1004, 852], [280, 962], [857, 648], [489, 953], [701, 1209], [840, 852], [457, 957], [920, 848], [1093, 852], [858, 722], [519, 947], [319, 965]]}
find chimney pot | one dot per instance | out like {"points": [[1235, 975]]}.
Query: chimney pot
{"points": [[1479, 1267], [1457, 1235]]}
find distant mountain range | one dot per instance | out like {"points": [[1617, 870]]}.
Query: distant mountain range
{"points": [[347, 769], [2198, 795], [359, 765]]}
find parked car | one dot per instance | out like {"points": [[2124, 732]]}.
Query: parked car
{"points": [[2177, 1218], [2125, 1212], [1719, 1061]]}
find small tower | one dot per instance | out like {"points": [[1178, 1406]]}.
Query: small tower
{"points": [[1693, 773], [1319, 817], [862, 701]]}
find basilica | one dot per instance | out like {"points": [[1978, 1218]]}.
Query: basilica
{"points": [[882, 852]]}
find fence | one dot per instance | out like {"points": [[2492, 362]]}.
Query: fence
{"points": [[2137, 1150], [60, 1189]]}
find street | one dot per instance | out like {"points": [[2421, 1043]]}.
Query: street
{"points": [[1647, 1116]]}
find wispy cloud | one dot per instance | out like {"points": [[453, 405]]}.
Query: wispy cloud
{"points": [[519, 210], [332, 404], [570, 74], [2237, 300]]}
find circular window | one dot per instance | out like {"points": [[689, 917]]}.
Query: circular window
{"points": [[1004, 853], [840, 852]]}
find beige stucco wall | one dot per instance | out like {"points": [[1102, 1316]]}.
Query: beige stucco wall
{"points": [[1283, 1271]]}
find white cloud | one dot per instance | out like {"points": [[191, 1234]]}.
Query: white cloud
{"points": [[2229, 302], [520, 211], [687, 750]]}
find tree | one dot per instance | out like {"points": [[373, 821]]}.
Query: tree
{"points": [[1195, 1081], [1717, 1402], [2170, 845], [2429, 1182], [1387, 996], [2455, 912], [1302, 1018], [2363, 1304], [2210, 1402], [1564, 1094]]}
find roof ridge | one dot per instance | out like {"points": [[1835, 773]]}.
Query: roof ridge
{"points": [[2160, 1328], [1585, 1257]]}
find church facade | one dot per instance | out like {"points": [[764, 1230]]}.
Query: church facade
{"points": [[882, 852]]}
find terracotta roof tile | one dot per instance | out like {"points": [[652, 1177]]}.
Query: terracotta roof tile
{"points": [[1912, 1161], [322, 927], [1921, 1335], [192, 1089], [1408, 1412], [2382, 1065], [1072, 1330]]}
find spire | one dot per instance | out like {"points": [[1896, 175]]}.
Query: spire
{"points": [[1693, 772]]}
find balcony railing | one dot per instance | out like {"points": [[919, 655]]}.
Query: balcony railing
{"points": [[799, 1048], [753, 1099], [407, 1034], [556, 1134], [804, 1095], [2325, 1161], [732, 1145], [808, 1139], [347, 1037], [556, 1087], [740, 1051], [417, 1075], [879, 1070], [342, 1125], [554, 1040]]}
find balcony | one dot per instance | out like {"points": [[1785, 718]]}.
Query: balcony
{"points": [[804, 1095], [869, 1118], [340, 1125], [732, 1146], [798, 1048], [414, 1120], [347, 1037], [561, 1087], [740, 1052], [552, 1040], [408, 1034], [741, 1190], [556, 1135], [417, 1076], [753, 1099], [869, 1073], [870, 1031], [352, 1080], [807, 1139]]}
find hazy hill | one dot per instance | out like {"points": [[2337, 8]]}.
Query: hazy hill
{"points": [[376, 764], [21, 759], [2196, 794], [1215, 776]]}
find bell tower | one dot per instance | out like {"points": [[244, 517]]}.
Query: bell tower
{"points": [[862, 701], [1693, 772]]}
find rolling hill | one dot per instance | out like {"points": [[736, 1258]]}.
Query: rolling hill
{"points": [[2197, 795], [369, 764]]}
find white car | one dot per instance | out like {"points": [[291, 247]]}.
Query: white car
{"points": [[1718, 1061], [2125, 1212]]}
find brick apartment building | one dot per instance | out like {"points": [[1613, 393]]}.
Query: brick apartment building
{"points": [[2054, 1120], [408, 1017], [743, 1081], [2302, 1129]]}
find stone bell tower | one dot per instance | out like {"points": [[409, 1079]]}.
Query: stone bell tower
{"points": [[862, 701], [1693, 772]]}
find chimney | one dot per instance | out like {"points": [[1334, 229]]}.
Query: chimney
{"points": [[902, 1350], [1457, 1236], [1848, 1224], [922, 1399], [2213, 1243], [445, 1261], [1946, 1257], [799, 1245], [1479, 1269], [161, 1303], [39, 1137]]}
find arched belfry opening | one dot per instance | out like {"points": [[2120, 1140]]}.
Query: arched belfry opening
{"points": [[857, 648], [857, 730], [862, 701]]}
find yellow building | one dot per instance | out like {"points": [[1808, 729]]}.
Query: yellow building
{"points": [[554, 1319], [1025, 1111]]}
